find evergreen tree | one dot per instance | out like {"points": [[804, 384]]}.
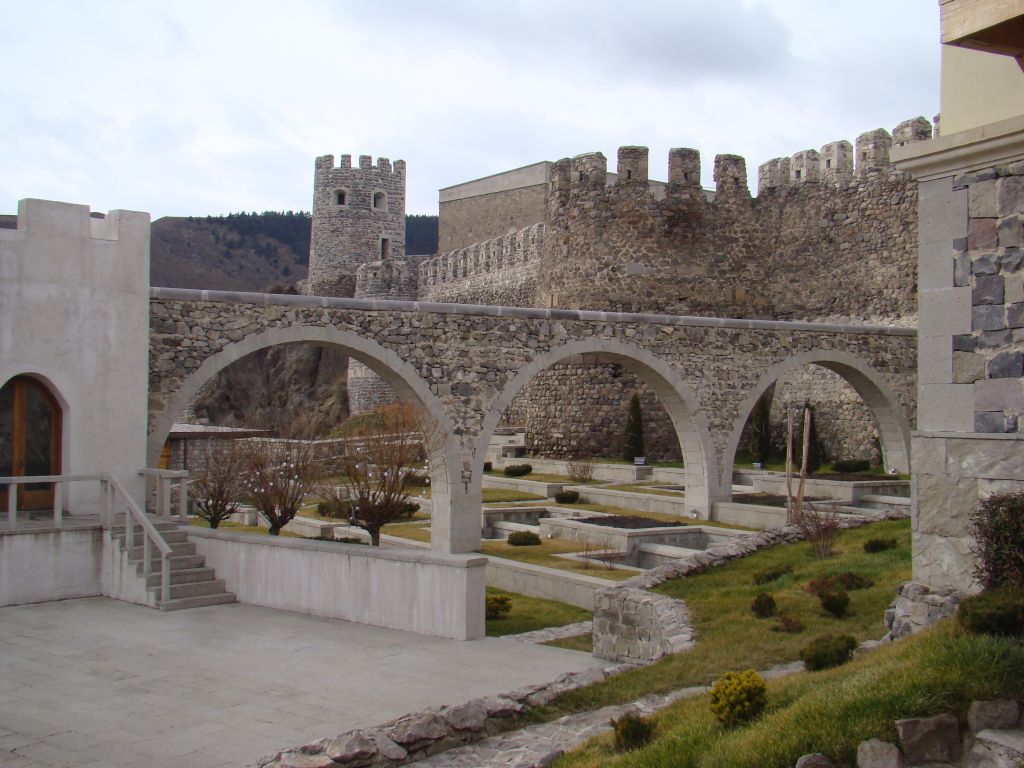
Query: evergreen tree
{"points": [[815, 452], [633, 433], [760, 437]]}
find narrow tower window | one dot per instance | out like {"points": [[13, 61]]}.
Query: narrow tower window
{"points": [[385, 248], [380, 201], [340, 197]]}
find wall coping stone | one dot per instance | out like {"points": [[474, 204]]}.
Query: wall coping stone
{"points": [[339, 548], [384, 305], [969, 435]]}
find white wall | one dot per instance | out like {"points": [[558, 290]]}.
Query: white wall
{"points": [[74, 295], [424, 592], [49, 565]]}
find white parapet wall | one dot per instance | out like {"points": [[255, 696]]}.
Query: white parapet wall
{"points": [[416, 591], [38, 566]]}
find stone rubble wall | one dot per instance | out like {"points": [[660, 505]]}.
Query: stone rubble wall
{"points": [[918, 606], [502, 271]]}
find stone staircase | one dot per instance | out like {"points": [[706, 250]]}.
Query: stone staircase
{"points": [[193, 583]]}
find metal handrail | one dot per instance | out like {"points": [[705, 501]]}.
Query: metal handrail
{"points": [[150, 536]]}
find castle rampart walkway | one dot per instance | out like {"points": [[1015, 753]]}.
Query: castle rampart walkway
{"points": [[463, 365]]}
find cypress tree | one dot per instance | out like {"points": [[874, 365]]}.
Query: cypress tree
{"points": [[815, 451], [760, 439], [633, 433]]}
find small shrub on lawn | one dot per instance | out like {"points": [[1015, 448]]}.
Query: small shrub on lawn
{"points": [[336, 509], [488, 466], [835, 602], [351, 540], [518, 470], [763, 606], [631, 732], [523, 539], [567, 497], [828, 651], [497, 606], [771, 574], [738, 697], [848, 581], [998, 529], [791, 625], [998, 612], [851, 465], [871, 546]]}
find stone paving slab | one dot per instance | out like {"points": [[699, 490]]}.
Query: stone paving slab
{"points": [[97, 682]]}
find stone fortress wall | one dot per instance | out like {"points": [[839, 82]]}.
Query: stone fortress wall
{"points": [[831, 236]]}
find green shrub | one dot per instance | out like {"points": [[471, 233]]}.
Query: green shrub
{"points": [[760, 437], [523, 539], [338, 509], [738, 697], [998, 529], [791, 625], [488, 466], [497, 606], [631, 732], [835, 602], [998, 612], [851, 465], [828, 651], [633, 431], [517, 470], [567, 497], [871, 546], [763, 605], [851, 581], [771, 574]]}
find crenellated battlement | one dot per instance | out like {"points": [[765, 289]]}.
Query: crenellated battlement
{"points": [[510, 251], [383, 165], [838, 163], [44, 215]]}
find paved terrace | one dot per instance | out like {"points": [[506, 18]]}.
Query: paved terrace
{"points": [[97, 683]]}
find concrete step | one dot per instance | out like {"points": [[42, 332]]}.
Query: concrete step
{"points": [[183, 576], [181, 603], [171, 536], [193, 589], [178, 563], [160, 525], [177, 549]]}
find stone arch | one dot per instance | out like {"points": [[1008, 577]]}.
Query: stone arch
{"points": [[689, 420], [445, 477], [893, 426]]}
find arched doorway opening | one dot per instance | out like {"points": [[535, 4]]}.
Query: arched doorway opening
{"points": [[30, 439], [688, 420], [890, 421]]}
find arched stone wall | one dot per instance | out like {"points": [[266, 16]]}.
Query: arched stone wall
{"points": [[893, 425], [445, 475], [690, 422]]}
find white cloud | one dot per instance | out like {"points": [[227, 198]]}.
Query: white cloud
{"points": [[195, 108]]}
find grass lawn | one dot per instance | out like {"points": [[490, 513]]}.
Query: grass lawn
{"points": [[227, 525], [499, 495], [730, 637], [417, 529], [673, 519], [645, 488], [832, 711], [531, 613], [544, 554], [743, 461], [583, 643]]}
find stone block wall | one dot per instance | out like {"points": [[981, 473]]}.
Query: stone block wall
{"points": [[502, 271], [470, 220], [358, 216]]}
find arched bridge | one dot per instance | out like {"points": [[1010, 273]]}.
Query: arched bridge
{"points": [[463, 365]]}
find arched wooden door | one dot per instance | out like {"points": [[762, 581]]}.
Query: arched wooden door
{"points": [[30, 430]]}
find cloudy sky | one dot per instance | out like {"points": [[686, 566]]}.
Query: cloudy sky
{"points": [[199, 107]]}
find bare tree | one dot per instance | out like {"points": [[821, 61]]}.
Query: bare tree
{"points": [[819, 526], [795, 503], [381, 464], [217, 485], [278, 476], [581, 468]]}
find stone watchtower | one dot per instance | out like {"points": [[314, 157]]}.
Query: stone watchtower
{"points": [[358, 217]]}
